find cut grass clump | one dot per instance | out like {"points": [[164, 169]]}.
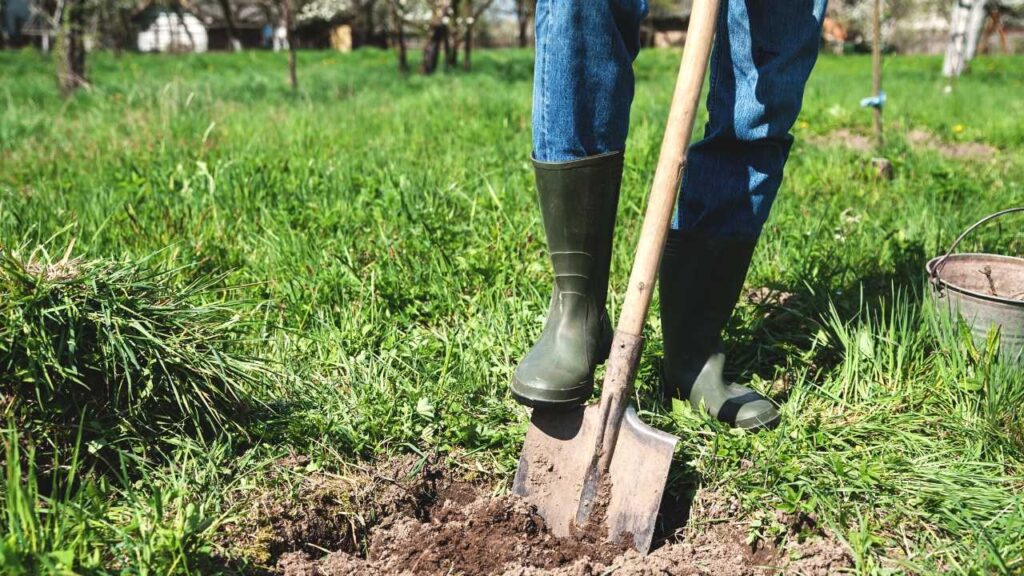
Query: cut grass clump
{"points": [[119, 349]]}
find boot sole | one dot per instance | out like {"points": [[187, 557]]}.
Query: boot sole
{"points": [[754, 424], [757, 423], [534, 397]]}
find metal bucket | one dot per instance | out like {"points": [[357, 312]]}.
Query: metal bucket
{"points": [[986, 289]]}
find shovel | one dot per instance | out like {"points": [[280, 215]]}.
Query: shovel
{"points": [[599, 469]]}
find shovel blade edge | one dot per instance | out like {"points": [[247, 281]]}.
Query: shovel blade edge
{"points": [[638, 473]]}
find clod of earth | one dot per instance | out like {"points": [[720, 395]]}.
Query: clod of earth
{"points": [[433, 522]]}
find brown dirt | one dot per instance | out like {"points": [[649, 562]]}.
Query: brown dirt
{"points": [[595, 530], [409, 519], [316, 511], [769, 297]]}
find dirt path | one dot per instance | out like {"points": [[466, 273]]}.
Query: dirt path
{"points": [[407, 519], [917, 138]]}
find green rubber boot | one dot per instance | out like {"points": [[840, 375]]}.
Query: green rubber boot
{"points": [[578, 201], [701, 280]]}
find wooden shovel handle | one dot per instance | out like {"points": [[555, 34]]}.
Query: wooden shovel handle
{"points": [[620, 371], [685, 103]]}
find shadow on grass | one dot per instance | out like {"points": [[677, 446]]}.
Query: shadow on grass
{"points": [[780, 328], [675, 507], [787, 316]]}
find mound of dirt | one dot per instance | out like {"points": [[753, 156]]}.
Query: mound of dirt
{"points": [[427, 520], [315, 511], [487, 536]]}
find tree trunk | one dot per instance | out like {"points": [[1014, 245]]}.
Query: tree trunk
{"points": [[289, 27], [71, 48], [966, 21], [432, 49], [229, 19], [368, 23], [180, 13], [124, 31], [451, 41], [977, 22], [471, 19], [451, 51], [399, 31], [876, 69], [436, 35], [523, 20]]}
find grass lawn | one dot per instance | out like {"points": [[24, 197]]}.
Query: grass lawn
{"points": [[370, 251]]}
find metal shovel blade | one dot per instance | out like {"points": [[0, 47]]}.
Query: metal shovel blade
{"points": [[559, 451]]}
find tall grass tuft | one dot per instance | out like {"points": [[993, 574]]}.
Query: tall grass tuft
{"points": [[46, 532], [121, 349]]}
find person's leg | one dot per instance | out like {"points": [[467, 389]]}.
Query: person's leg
{"points": [[583, 76], [763, 55], [583, 88]]}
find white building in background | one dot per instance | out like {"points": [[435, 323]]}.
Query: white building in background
{"points": [[280, 38], [169, 31]]}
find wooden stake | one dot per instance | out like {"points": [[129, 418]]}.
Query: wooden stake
{"points": [[876, 69]]}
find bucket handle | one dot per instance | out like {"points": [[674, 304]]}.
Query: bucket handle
{"points": [[938, 267]]}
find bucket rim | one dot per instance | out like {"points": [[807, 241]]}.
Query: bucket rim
{"points": [[934, 275]]}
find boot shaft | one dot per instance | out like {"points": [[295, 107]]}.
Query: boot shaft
{"points": [[701, 281], [700, 284], [578, 202]]}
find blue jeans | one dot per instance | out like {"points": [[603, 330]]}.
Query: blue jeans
{"points": [[763, 55]]}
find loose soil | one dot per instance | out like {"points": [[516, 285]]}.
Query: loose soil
{"points": [[407, 517]]}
